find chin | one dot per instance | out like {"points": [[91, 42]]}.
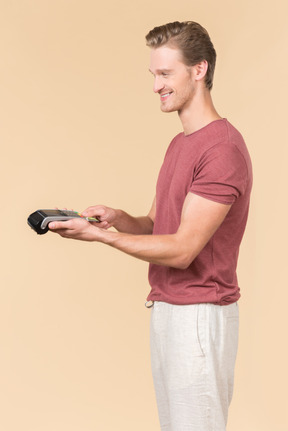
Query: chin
{"points": [[167, 108]]}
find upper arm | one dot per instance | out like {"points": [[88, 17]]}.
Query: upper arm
{"points": [[200, 219]]}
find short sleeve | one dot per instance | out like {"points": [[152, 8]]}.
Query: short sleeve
{"points": [[221, 174]]}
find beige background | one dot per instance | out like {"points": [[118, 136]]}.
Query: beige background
{"points": [[80, 125]]}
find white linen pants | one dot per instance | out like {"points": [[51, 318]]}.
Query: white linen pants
{"points": [[193, 353]]}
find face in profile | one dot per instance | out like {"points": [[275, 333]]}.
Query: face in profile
{"points": [[173, 80]]}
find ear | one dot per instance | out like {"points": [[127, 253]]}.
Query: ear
{"points": [[200, 70]]}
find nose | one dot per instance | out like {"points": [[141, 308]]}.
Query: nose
{"points": [[158, 84]]}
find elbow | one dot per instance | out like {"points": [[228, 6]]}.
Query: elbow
{"points": [[183, 253], [182, 265], [183, 262]]}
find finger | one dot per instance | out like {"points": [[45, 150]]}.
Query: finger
{"points": [[62, 232], [96, 211], [89, 212], [60, 225], [101, 224]]}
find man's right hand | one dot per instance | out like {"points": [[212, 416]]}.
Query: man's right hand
{"points": [[121, 221], [106, 216]]}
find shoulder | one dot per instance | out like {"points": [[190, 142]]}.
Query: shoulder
{"points": [[223, 142]]}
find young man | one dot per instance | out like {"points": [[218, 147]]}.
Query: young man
{"points": [[190, 237]]}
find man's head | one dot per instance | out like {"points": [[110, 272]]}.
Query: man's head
{"points": [[191, 39]]}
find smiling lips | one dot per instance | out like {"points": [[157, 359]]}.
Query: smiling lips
{"points": [[165, 95]]}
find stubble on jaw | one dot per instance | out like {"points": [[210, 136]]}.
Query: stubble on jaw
{"points": [[182, 99]]}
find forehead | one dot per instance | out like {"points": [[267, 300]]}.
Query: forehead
{"points": [[164, 58]]}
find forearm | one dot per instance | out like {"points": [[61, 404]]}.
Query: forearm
{"points": [[167, 250], [133, 225]]}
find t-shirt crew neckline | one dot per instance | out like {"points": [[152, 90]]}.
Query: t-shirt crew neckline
{"points": [[203, 128]]}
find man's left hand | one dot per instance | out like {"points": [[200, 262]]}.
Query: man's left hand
{"points": [[76, 229]]}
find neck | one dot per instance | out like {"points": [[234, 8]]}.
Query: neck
{"points": [[199, 112]]}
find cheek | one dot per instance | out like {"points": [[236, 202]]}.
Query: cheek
{"points": [[188, 88], [168, 83]]}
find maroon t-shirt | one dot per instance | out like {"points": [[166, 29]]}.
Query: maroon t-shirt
{"points": [[214, 163]]}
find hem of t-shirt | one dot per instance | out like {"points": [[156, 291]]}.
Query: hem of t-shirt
{"points": [[216, 298], [221, 303], [212, 198]]}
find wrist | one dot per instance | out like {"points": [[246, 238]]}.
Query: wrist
{"points": [[119, 216], [104, 236]]}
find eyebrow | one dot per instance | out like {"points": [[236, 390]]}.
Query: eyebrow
{"points": [[161, 71]]}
